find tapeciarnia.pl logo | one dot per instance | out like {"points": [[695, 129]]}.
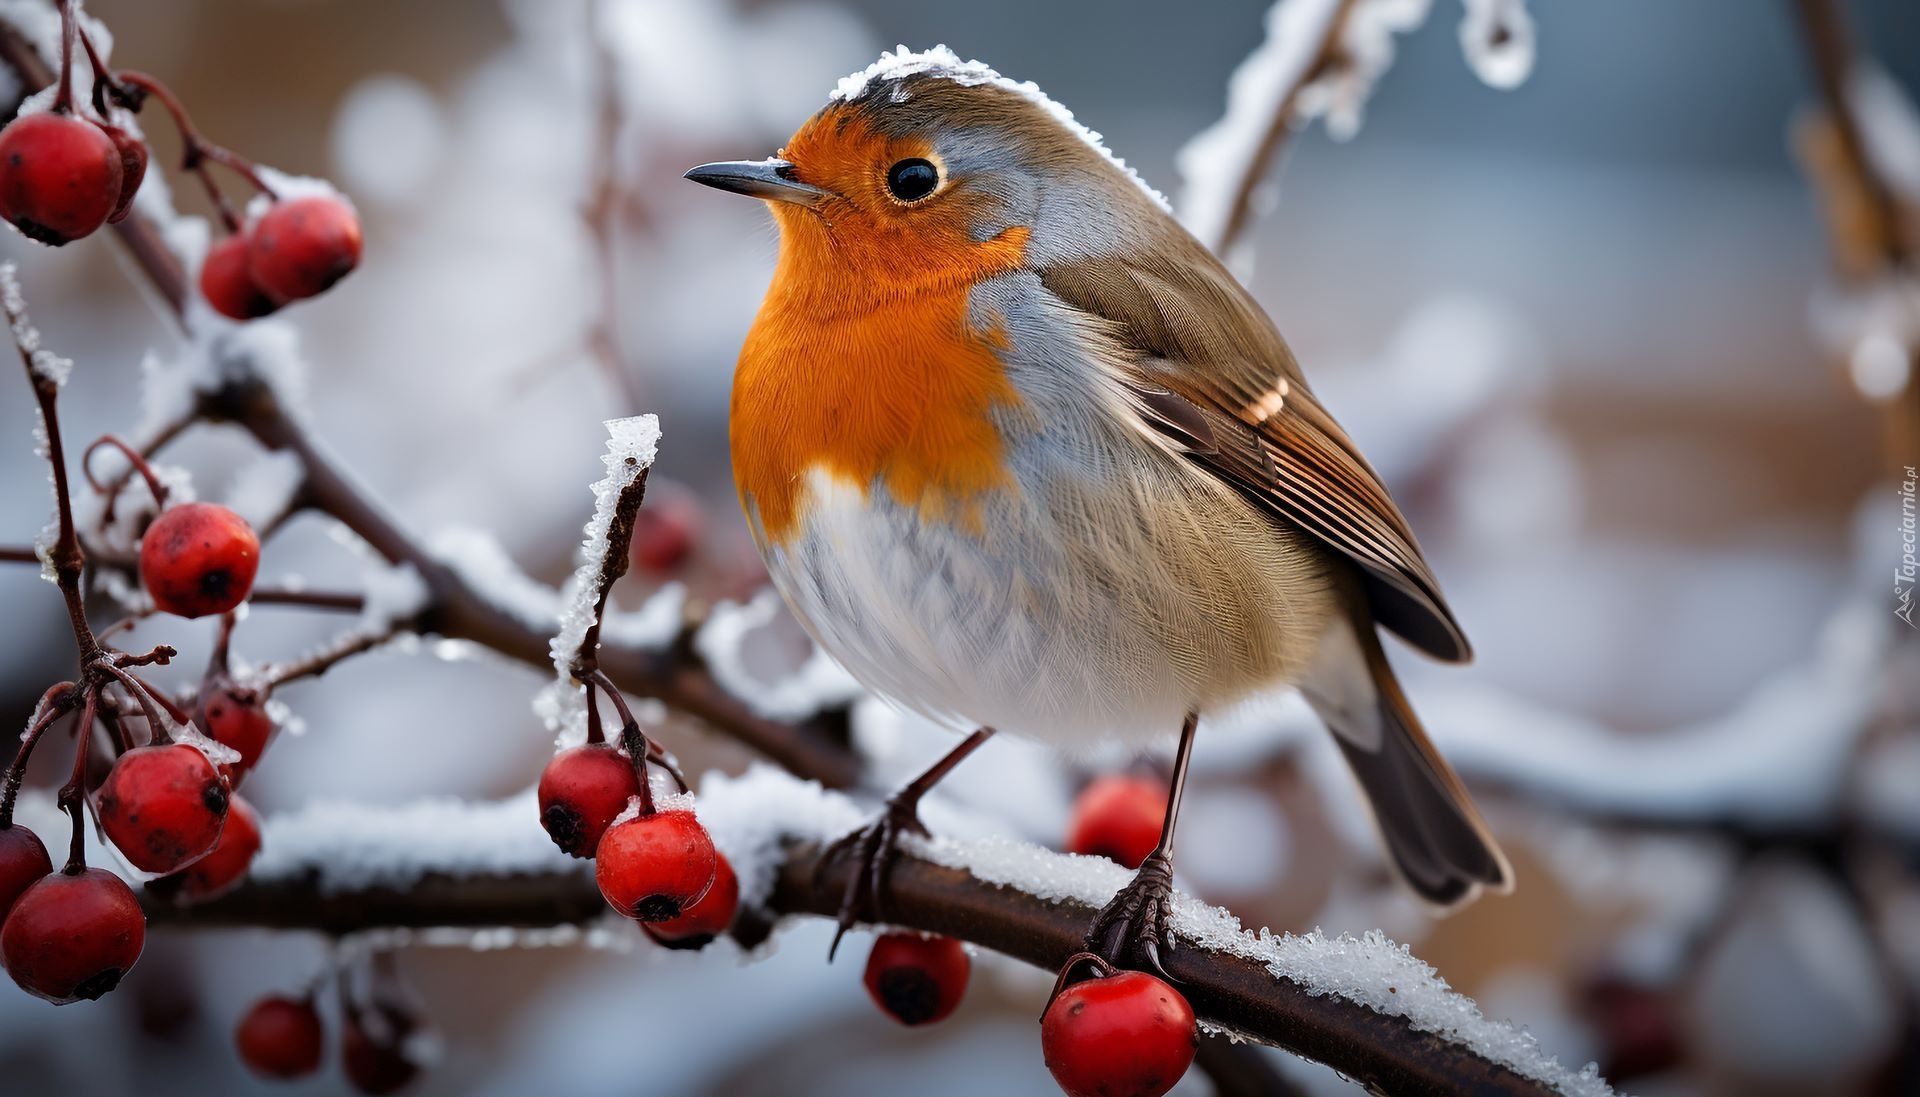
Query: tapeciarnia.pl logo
{"points": [[1909, 569]]}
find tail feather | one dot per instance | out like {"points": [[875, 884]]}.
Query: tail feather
{"points": [[1435, 836]]}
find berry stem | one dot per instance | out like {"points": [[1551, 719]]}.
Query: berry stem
{"points": [[112, 493], [639, 747], [595, 733], [55, 703], [105, 87], [180, 715], [641, 750], [197, 150], [160, 731], [73, 795], [63, 99]]}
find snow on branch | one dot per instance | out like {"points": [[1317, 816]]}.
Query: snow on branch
{"points": [[1779, 760], [1365, 1006], [45, 366], [1221, 166], [1321, 59], [632, 444]]}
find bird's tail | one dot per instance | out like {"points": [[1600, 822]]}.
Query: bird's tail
{"points": [[1436, 837]]}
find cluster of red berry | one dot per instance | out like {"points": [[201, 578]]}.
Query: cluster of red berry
{"points": [[659, 868], [165, 806], [282, 1038], [64, 175]]}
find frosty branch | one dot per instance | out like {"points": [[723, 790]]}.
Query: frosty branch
{"points": [[1230, 983]]}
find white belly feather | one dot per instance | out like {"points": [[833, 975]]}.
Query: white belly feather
{"points": [[1079, 615]]}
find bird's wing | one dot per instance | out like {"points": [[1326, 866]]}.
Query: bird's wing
{"points": [[1207, 368]]}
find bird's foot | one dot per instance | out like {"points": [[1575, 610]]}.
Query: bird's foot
{"points": [[876, 847], [1130, 931]]}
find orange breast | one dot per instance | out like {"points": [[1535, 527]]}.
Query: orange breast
{"points": [[864, 365]]}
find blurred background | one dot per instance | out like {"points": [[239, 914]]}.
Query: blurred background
{"points": [[1594, 331]]}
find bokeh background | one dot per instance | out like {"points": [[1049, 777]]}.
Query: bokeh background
{"points": [[1586, 327]]}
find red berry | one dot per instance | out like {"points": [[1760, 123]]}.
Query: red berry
{"points": [[73, 935], [1125, 1035], [373, 1050], [303, 245], [163, 806], [664, 531], [60, 177], [228, 286], [581, 791], [656, 867], [133, 169], [708, 917], [23, 861], [915, 979], [199, 559], [235, 716], [1639, 1029], [1118, 818], [280, 1038], [224, 865]]}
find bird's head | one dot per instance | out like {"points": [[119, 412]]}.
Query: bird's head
{"points": [[925, 167]]}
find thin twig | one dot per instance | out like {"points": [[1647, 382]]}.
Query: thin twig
{"points": [[1280, 126], [340, 600], [1831, 55], [316, 663]]}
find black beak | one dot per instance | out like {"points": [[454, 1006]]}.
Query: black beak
{"points": [[772, 180]]}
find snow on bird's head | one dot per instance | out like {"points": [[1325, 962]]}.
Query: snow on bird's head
{"points": [[898, 65]]}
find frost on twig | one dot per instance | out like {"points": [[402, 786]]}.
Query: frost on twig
{"points": [[47, 367], [632, 444], [1321, 59]]}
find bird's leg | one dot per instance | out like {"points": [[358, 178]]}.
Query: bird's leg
{"points": [[877, 844], [1134, 925]]}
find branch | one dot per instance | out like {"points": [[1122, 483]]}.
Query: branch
{"points": [[1259, 987], [1365, 1007], [338, 600], [1219, 211], [1831, 54]]}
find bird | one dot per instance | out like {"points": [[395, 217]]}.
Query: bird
{"points": [[1024, 457]]}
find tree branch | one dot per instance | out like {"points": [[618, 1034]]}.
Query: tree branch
{"points": [[1831, 56], [1282, 121], [1382, 1051]]}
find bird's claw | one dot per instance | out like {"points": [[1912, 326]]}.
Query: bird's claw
{"points": [[1131, 929], [877, 846]]}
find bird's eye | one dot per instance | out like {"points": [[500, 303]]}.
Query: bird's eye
{"points": [[912, 180]]}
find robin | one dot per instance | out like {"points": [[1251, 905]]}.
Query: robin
{"points": [[1022, 455]]}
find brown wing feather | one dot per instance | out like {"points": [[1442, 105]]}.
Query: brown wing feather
{"points": [[1198, 337]]}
